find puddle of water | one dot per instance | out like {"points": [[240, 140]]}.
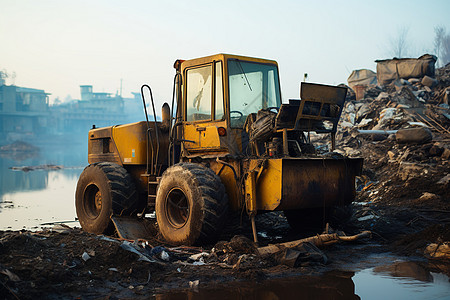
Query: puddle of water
{"points": [[40, 197], [365, 284], [330, 286], [372, 285], [28, 199]]}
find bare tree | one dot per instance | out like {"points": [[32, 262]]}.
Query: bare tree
{"points": [[445, 50], [400, 43], [442, 45], [439, 36]]}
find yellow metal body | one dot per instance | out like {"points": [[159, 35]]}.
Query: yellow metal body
{"points": [[296, 183], [126, 145], [256, 184]]}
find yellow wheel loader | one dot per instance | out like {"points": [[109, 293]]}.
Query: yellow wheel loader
{"points": [[226, 143]]}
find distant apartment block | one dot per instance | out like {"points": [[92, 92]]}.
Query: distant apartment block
{"points": [[23, 112]]}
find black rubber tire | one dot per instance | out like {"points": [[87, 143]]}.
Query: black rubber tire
{"points": [[191, 205], [104, 189]]}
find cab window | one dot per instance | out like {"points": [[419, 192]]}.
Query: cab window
{"points": [[220, 115], [199, 93]]}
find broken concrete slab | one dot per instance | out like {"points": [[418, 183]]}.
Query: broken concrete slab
{"points": [[428, 81], [418, 135]]}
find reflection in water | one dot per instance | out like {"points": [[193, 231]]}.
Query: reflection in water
{"points": [[19, 156], [406, 269], [53, 202], [401, 281], [338, 285], [28, 199], [365, 284]]}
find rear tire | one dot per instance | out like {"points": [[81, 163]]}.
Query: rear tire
{"points": [[104, 189], [191, 204]]}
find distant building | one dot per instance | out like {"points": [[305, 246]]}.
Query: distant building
{"points": [[94, 108], [24, 112]]}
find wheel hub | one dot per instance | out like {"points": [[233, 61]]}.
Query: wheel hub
{"points": [[177, 208], [92, 201]]}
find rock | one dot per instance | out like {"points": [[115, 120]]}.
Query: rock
{"points": [[363, 111], [364, 122], [436, 150], [414, 80], [444, 180], [446, 154], [404, 82], [350, 108], [382, 95], [391, 155], [238, 244], [351, 118], [429, 81], [345, 124], [372, 92], [429, 197], [438, 251], [409, 170], [85, 256], [397, 85], [404, 156], [446, 96], [413, 136], [406, 96], [352, 152]]}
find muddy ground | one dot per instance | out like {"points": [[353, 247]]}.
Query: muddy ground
{"points": [[51, 263], [402, 198]]}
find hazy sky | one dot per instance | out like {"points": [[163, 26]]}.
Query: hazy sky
{"points": [[58, 45]]}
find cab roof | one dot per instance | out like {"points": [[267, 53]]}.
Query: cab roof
{"points": [[219, 57]]}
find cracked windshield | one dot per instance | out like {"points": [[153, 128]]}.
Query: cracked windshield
{"points": [[253, 86]]}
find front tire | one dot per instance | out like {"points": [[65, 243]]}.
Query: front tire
{"points": [[104, 189], [191, 204]]}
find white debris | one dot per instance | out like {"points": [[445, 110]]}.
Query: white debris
{"points": [[85, 256], [194, 284]]}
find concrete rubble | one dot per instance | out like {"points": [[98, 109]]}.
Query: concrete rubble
{"points": [[402, 129]]}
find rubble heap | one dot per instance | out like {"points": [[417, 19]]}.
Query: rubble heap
{"points": [[402, 130]]}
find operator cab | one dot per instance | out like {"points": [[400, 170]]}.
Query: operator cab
{"points": [[218, 94]]}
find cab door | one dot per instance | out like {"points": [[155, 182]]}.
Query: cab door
{"points": [[204, 107]]}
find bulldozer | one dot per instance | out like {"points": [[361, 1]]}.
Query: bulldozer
{"points": [[227, 143]]}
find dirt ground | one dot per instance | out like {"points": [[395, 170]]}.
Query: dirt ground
{"points": [[402, 198], [50, 263]]}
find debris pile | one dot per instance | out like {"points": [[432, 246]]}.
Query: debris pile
{"points": [[402, 130]]}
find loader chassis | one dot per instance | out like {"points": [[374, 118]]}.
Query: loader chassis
{"points": [[231, 144]]}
